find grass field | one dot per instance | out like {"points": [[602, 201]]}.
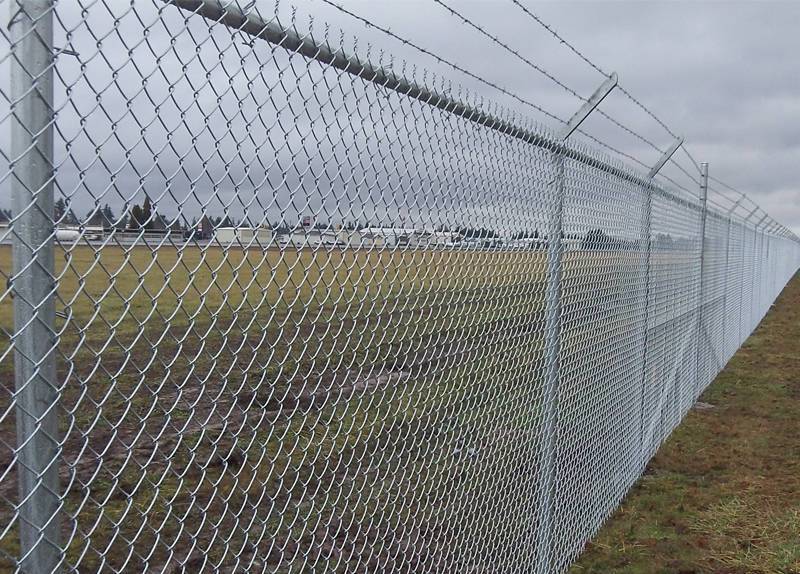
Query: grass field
{"points": [[222, 407], [304, 411], [723, 493]]}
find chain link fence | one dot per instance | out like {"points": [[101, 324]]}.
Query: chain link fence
{"points": [[269, 305]]}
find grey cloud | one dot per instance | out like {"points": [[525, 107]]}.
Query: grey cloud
{"points": [[724, 74]]}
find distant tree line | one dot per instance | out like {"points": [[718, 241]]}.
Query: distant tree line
{"points": [[144, 217]]}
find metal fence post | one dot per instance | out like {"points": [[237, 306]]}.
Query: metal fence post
{"points": [[743, 302], [756, 268], [725, 286], [742, 263], [759, 272], [545, 492], [32, 284], [771, 262], [704, 204], [646, 239], [762, 263], [753, 264], [755, 274]]}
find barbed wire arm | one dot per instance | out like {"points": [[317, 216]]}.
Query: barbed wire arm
{"points": [[665, 157], [589, 106]]}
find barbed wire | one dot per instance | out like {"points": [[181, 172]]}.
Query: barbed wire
{"points": [[747, 198], [578, 53], [461, 69], [511, 50], [560, 38], [665, 177], [728, 187], [370, 24], [615, 150], [684, 171], [742, 196], [538, 68], [733, 200], [691, 158], [622, 89]]}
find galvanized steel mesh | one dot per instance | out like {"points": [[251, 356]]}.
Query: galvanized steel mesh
{"points": [[265, 309]]}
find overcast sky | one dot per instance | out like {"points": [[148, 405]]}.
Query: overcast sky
{"points": [[723, 74]]}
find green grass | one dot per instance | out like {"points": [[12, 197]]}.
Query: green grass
{"points": [[220, 406], [722, 495], [226, 406]]}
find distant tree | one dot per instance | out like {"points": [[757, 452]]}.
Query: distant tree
{"points": [[157, 223], [63, 214], [94, 218], [205, 227], [108, 216], [136, 219], [176, 226], [147, 210], [664, 240], [59, 210], [596, 239], [142, 216]]}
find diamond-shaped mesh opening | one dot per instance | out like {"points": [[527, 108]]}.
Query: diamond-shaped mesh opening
{"points": [[270, 304]]}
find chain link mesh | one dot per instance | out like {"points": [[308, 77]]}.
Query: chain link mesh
{"points": [[267, 306]]}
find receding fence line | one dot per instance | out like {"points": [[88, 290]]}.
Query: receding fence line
{"points": [[330, 395]]}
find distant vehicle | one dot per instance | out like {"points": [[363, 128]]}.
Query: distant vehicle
{"points": [[74, 235], [67, 235], [196, 234]]}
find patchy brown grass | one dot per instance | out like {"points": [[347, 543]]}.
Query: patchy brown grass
{"points": [[230, 410], [723, 493]]}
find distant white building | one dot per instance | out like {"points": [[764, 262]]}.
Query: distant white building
{"points": [[245, 236]]}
